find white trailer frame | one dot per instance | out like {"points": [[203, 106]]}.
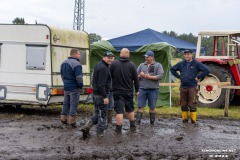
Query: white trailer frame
{"points": [[30, 59]]}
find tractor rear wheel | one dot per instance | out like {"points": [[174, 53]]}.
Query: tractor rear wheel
{"points": [[211, 95]]}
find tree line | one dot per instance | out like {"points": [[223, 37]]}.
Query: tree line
{"points": [[206, 41]]}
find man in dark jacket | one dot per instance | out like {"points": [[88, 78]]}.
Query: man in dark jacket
{"points": [[124, 76], [71, 73], [101, 83], [191, 71]]}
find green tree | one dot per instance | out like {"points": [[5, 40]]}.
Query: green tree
{"points": [[18, 20], [207, 43], [94, 37], [171, 33], [188, 37]]}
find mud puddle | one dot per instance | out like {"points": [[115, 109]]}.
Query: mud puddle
{"points": [[39, 135]]}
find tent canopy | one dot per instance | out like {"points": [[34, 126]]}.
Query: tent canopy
{"points": [[148, 36], [163, 53]]}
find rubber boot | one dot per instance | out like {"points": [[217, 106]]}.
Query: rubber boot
{"points": [[185, 116], [118, 129], [86, 128], [132, 125], [152, 118], [109, 116], [72, 121], [138, 117], [63, 119], [193, 116], [100, 133]]}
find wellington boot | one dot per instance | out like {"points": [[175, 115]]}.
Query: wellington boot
{"points": [[86, 128], [152, 118], [118, 129], [132, 126], [63, 119], [100, 133], [193, 116], [138, 117], [72, 121], [185, 116]]}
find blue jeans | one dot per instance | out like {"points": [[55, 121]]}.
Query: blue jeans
{"points": [[100, 112], [70, 103], [150, 95]]}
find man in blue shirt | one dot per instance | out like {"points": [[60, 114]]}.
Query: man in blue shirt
{"points": [[191, 71], [72, 77]]}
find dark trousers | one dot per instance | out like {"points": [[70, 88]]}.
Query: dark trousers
{"points": [[188, 99], [100, 112], [123, 101], [70, 103], [111, 101]]}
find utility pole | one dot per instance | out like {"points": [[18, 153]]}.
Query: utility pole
{"points": [[78, 21]]}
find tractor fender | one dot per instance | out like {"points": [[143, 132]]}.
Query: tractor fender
{"points": [[212, 60]]}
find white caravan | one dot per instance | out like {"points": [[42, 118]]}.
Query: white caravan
{"points": [[30, 60]]}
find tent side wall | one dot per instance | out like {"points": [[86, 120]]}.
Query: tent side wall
{"points": [[163, 53]]}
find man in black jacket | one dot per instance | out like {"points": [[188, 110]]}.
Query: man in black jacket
{"points": [[124, 76], [101, 83], [191, 71]]}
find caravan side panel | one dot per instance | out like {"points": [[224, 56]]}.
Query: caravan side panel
{"points": [[24, 62], [62, 42]]}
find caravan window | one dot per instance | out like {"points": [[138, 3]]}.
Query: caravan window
{"points": [[36, 57], [83, 57]]}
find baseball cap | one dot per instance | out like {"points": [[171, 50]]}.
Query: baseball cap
{"points": [[187, 51], [108, 54], [149, 53]]}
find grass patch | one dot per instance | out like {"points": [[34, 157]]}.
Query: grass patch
{"points": [[234, 112], [19, 116], [81, 108], [165, 112]]}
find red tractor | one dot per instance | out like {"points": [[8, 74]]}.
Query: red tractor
{"points": [[223, 62]]}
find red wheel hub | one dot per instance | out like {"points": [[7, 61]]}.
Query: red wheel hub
{"points": [[209, 88]]}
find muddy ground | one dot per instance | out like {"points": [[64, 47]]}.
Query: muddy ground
{"points": [[38, 134]]}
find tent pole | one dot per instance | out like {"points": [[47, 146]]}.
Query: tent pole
{"points": [[170, 87]]}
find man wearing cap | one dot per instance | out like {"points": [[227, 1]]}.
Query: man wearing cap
{"points": [[124, 77], [191, 71], [101, 83], [149, 73]]}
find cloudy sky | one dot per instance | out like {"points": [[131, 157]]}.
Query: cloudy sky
{"points": [[113, 18]]}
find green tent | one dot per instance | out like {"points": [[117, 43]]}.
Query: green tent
{"points": [[163, 53]]}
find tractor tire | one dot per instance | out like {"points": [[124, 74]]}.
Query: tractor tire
{"points": [[210, 95]]}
